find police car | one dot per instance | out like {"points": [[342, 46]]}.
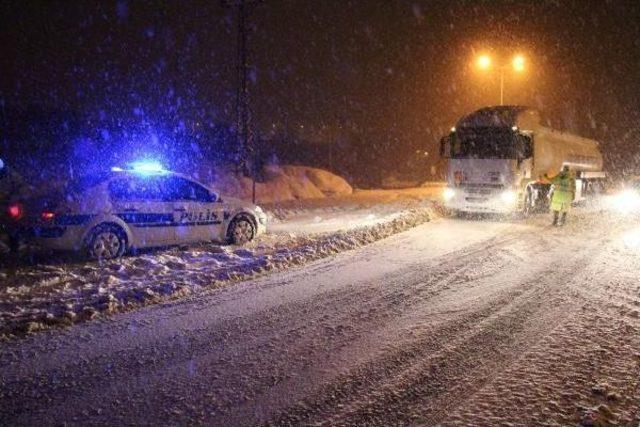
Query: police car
{"points": [[107, 214]]}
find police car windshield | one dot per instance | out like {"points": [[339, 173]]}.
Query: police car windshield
{"points": [[84, 183], [158, 187]]}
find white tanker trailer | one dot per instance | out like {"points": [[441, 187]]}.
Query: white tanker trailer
{"points": [[497, 156]]}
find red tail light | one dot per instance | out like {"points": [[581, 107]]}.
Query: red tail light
{"points": [[15, 211], [47, 216]]}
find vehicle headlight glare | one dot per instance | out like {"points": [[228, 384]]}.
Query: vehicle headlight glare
{"points": [[626, 201], [509, 196], [448, 193]]}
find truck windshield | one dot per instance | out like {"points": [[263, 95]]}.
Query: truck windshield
{"points": [[486, 143]]}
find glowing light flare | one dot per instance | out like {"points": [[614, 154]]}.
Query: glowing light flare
{"points": [[509, 197], [518, 63], [14, 211], [626, 201], [47, 216], [448, 193], [483, 62], [631, 238]]}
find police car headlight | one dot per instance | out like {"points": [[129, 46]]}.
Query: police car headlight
{"points": [[626, 201], [509, 196], [448, 193]]}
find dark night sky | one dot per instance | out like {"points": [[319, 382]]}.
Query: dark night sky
{"points": [[394, 72]]}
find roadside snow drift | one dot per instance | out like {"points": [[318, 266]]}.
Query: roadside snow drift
{"points": [[283, 183], [43, 296]]}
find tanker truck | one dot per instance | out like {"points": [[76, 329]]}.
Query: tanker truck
{"points": [[497, 157]]}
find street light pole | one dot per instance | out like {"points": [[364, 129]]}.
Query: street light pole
{"points": [[501, 85], [484, 63]]}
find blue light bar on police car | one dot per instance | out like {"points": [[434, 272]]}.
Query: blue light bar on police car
{"points": [[141, 167], [147, 166]]}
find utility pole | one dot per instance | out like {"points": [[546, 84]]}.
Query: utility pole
{"points": [[242, 94], [245, 137]]}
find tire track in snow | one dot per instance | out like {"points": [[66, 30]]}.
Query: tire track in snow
{"points": [[471, 314], [587, 370], [156, 359], [423, 379], [64, 385]]}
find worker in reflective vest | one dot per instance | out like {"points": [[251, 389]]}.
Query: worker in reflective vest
{"points": [[564, 191]]}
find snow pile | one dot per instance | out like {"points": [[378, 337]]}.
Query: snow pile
{"points": [[283, 183], [44, 296], [395, 182]]}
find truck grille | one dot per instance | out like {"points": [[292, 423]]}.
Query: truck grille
{"points": [[482, 189]]}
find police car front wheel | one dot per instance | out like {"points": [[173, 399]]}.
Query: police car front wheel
{"points": [[106, 241], [241, 230]]}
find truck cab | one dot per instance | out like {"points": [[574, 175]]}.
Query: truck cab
{"points": [[497, 155], [486, 167]]}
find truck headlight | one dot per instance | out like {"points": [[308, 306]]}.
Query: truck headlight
{"points": [[627, 200], [448, 193], [509, 196]]}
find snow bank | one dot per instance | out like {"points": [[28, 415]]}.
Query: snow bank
{"points": [[393, 182], [283, 183], [45, 296]]}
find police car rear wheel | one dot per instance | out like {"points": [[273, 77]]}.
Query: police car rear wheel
{"points": [[241, 231], [106, 242]]}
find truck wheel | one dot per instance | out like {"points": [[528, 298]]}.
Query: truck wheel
{"points": [[241, 230], [106, 241], [588, 190], [598, 188]]}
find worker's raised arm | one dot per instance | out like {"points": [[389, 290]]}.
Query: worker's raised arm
{"points": [[550, 180]]}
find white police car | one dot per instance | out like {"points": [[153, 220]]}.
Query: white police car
{"points": [[108, 214]]}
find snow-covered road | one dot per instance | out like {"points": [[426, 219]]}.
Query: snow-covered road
{"points": [[456, 322]]}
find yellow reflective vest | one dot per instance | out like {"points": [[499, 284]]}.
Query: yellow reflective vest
{"points": [[564, 191]]}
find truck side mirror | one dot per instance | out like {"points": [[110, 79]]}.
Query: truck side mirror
{"points": [[528, 146], [445, 147], [524, 148]]}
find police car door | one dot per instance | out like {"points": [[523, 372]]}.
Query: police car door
{"points": [[140, 202], [197, 214]]}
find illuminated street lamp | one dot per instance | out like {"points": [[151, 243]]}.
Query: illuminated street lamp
{"points": [[517, 64], [484, 62]]}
